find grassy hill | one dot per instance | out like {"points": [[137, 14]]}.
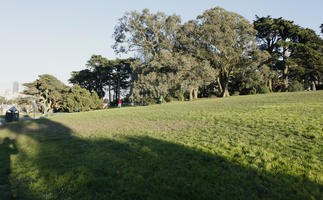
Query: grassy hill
{"points": [[245, 147]]}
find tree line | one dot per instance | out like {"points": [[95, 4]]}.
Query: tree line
{"points": [[219, 53]]}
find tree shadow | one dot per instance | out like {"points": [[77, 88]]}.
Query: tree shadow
{"points": [[65, 166]]}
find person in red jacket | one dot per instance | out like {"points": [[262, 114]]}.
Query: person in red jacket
{"points": [[119, 103]]}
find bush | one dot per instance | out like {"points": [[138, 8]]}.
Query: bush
{"points": [[170, 98], [96, 101], [180, 96], [295, 86], [79, 100], [263, 90], [149, 101]]}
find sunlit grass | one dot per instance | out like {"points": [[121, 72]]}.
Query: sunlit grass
{"points": [[245, 147]]}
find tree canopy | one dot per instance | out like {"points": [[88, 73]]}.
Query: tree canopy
{"points": [[295, 51], [51, 95], [102, 75], [218, 53]]}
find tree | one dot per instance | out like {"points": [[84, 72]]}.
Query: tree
{"points": [[254, 77], [171, 75], [120, 76], [25, 104], [150, 36], [277, 36], [308, 55], [95, 77], [104, 75], [48, 91], [223, 38], [84, 79], [145, 33], [79, 100], [3, 100]]}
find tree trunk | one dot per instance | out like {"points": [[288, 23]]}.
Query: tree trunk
{"points": [[118, 88], [313, 86], [109, 88], [286, 68], [195, 91], [224, 82], [286, 78], [225, 92], [191, 94], [219, 83], [270, 85]]}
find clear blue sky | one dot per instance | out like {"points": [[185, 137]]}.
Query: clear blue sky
{"points": [[58, 37]]}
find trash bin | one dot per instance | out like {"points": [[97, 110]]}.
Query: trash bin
{"points": [[12, 114]]}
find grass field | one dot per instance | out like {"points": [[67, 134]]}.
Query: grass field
{"points": [[245, 147]]}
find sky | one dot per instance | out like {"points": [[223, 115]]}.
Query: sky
{"points": [[58, 37]]}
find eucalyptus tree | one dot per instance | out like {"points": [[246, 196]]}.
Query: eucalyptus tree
{"points": [[225, 39], [175, 74], [145, 33], [149, 36]]}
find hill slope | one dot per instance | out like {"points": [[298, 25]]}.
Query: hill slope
{"points": [[246, 147]]}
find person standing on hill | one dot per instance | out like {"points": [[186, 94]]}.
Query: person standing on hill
{"points": [[119, 103]]}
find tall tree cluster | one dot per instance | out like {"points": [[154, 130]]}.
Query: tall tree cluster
{"points": [[104, 76], [218, 53], [178, 59], [296, 52]]}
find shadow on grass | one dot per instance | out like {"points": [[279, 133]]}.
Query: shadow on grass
{"points": [[68, 167], [7, 148]]}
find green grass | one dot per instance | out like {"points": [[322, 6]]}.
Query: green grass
{"points": [[245, 147]]}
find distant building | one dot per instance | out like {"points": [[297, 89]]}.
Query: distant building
{"points": [[15, 87]]}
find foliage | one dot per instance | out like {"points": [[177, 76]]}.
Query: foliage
{"points": [[3, 100], [25, 104], [295, 86], [308, 54], [145, 33], [263, 90], [104, 75], [230, 52], [296, 52], [162, 69], [52, 95], [170, 74], [244, 147], [251, 80], [79, 100], [48, 91], [225, 39]]}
